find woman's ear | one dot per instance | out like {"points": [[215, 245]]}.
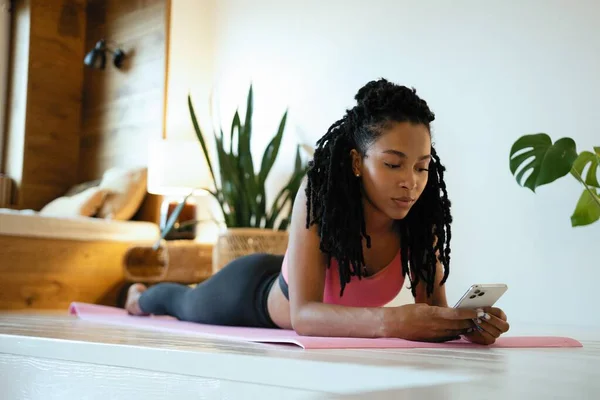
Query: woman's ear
{"points": [[356, 162]]}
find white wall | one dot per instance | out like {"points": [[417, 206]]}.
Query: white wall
{"points": [[190, 71], [190, 63], [491, 71]]}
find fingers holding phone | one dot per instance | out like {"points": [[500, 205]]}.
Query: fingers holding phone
{"points": [[490, 324], [494, 321], [496, 312]]}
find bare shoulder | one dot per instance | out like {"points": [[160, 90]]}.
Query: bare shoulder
{"points": [[306, 262]]}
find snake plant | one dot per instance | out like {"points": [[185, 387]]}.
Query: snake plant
{"points": [[549, 161], [239, 189]]}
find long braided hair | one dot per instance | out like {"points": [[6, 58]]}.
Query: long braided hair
{"points": [[334, 197]]}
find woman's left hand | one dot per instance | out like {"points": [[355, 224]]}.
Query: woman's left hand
{"points": [[493, 324]]}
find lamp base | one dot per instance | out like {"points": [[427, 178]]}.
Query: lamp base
{"points": [[185, 227]]}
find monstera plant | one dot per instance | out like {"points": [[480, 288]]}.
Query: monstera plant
{"points": [[549, 161], [239, 189]]}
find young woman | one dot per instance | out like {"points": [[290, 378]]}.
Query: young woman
{"points": [[372, 212]]}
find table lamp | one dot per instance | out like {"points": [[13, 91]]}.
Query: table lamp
{"points": [[176, 168]]}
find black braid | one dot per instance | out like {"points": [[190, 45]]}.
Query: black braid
{"points": [[334, 197]]}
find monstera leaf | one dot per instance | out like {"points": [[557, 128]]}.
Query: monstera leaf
{"points": [[585, 158], [549, 161], [546, 161], [587, 210]]}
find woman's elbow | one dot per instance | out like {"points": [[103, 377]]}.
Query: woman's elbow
{"points": [[301, 322], [302, 328]]}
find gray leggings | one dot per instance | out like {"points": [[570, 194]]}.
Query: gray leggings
{"points": [[234, 296]]}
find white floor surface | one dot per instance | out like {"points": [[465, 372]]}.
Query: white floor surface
{"points": [[47, 356]]}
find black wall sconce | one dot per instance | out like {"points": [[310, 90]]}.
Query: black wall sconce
{"points": [[96, 58]]}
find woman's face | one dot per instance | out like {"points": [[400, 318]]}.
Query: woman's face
{"points": [[394, 170]]}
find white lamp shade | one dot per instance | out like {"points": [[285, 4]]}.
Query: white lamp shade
{"points": [[177, 167]]}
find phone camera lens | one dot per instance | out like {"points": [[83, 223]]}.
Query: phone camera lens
{"points": [[477, 291], [481, 294], [472, 296]]}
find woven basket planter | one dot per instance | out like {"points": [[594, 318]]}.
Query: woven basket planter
{"points": [[233, 243], [181, 261]]}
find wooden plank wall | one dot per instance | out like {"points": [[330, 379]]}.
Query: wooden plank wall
{"points": [[68, 124], [46, 122], [123, 108]]}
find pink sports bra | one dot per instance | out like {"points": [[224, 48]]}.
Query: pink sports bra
{"points": [[371, 291]]}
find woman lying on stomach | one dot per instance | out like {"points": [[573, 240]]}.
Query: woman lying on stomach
{"points": [[372, 211]]}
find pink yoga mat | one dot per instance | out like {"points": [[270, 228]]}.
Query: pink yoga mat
{"points": [[118, 316]]}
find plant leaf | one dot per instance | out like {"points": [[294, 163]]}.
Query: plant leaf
{"points": [[230, 184], [218, 195], [298, 163], [587, 157], [268, 159], [278, 205], [249, 113], [308, 149], [235, 124], [597, 150], [587, 210], [284, 224], [550, 161], [172, 220], [270, 154], [201, 138], [248, 187], [241, 194], [288, 193]]}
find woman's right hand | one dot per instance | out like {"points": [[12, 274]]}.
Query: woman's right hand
{"points": [[425, 323]]}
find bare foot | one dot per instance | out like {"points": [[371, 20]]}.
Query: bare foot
{"points": [[133, 295]]}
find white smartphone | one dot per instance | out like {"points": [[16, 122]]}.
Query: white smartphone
{"points": [[482, 295]]}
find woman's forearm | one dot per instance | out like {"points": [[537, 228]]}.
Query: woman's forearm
{"points": [[319, 319]]}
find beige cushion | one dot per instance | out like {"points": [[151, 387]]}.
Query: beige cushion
{"points": [[80, 187], [127, 187], [85, 203]]}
